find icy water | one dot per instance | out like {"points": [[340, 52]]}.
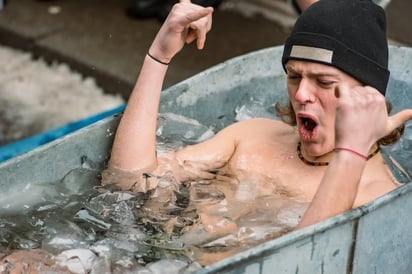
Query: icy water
{"points": [[91, 229], [183, 226]]}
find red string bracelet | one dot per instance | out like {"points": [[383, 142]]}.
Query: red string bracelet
{"points": [[352, 151]]}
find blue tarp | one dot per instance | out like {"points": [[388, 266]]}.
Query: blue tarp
{"points": [[24, 145]]}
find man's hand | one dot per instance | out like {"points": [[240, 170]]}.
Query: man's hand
{"points": [[362, 118], [185, 23]]}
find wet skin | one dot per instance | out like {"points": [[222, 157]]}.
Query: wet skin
{"points": [[266, 149]]}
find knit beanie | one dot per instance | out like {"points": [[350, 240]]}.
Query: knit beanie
{"points": [[347, 34]]}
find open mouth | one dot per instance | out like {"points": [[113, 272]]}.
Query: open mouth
{"points": [[308, 123], [307, 127]]}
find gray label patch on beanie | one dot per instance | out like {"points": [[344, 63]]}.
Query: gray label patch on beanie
{"points": [[312, 53]]}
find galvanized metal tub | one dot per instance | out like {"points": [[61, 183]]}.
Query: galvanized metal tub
{"points": [[375, 238]]}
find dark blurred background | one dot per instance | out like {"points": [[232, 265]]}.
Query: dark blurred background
{"points": [[96, 38]]}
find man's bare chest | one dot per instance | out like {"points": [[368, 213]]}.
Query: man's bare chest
{"points": [[277, 166]]}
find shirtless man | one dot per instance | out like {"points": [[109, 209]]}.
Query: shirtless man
{"points": [[336, 85], [336, 65]]}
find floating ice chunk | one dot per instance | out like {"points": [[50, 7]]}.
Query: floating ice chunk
{"points": [[173, 126], [85, 215], [291, 214], [65, 235], [21, 202], [79, 261], [123, 214], [80, 180], [172, 266], [252, 109], [116, 206], [46, 196], [22, 243]]}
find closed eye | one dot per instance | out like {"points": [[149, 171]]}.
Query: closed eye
{"points": [[294, 77], [325, 83]]}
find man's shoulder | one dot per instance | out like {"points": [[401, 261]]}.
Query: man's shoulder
{"points": [[263, 123], [255, 126]]}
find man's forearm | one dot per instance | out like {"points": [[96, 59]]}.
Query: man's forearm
{"points": [[337, 190], [134, 146]]}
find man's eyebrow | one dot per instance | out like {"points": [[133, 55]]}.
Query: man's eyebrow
{"points": [[324, 74], [290, 69]]}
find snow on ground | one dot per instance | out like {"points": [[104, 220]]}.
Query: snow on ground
{"points": [[36, 96]]}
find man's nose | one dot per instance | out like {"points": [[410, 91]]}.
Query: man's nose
{"points": [[304, 94]]}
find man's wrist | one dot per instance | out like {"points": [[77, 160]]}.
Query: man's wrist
{"points": [[157, 59]]}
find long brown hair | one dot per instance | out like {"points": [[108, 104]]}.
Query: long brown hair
{"points": [[288, 116]]}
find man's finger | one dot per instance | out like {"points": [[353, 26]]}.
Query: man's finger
{"points": [[341, 89], [199, 13], [191, 36], [196, 34], [201, 38], [398, 119], [337, 91]]}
